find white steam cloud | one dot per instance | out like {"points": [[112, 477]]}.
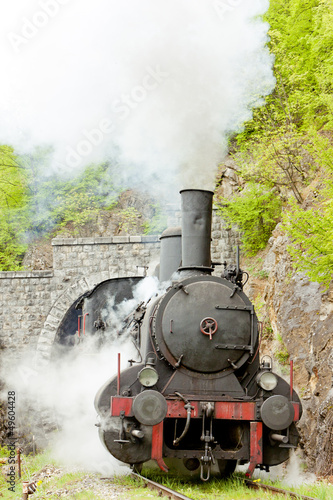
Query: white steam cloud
{"points": [[64, 391], [157, 84]]}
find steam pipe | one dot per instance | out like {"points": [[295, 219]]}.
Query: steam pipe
{"points": [[197, 208], [279, 438]]}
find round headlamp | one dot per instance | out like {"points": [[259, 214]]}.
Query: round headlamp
{"points": [[148, 376], [267, 380]]}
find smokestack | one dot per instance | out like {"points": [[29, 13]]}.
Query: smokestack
{"points": [[197, 207], [171, 252]]}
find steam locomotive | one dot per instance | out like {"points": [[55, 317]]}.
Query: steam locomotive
{"points": [[200, 393]]}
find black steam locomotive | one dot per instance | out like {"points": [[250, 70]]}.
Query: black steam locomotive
{"points": [[200, 393]]}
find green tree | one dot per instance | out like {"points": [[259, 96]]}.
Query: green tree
{"points": [[255, 212], [55, 201], [311, 235], [12, 200], [288, 143]]}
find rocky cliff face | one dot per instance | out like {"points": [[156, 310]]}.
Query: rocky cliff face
{"points": [[301, 312], [298, 317], [128, 217]]}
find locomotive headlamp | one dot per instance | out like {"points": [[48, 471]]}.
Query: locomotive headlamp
{"points": [[148, 376], [267, 380]]}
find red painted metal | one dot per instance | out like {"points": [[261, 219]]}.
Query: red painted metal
{"points": [[226, 410], [118, 376], [121, 404], [297, 411], [84, 323], [208, 326], [291, 378], [157, 446], [176, 409], [256, 445]]}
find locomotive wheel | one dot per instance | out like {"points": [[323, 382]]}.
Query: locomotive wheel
{"points": [[227, 467], [137, 467]]}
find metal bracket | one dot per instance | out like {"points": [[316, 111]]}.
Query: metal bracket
{"points": [[207, 408], [235, 308], [231, 347], [121, 439], [208, 459]]}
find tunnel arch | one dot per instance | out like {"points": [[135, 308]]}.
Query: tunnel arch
{"points": [[61, 306]]}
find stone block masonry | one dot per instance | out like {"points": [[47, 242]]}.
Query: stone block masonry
{"points": [[32, 304], [25, 299], [98, 259]]}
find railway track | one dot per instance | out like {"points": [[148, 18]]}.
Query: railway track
{"points": [[163, 490], [273, 489], [175, 495]]}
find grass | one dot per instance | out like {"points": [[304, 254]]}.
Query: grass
{"points": [[231, 489], [54, 487], [32, 465]]}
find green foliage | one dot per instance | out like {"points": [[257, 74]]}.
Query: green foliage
{"points": [[255, 211], [310, 229], [301, 39], [280, 159], [280, 152], [282, 355], [158, 222], [128, 218], [34, 200], [12, 219], [288, 142], [311, 235], [55, 201]]}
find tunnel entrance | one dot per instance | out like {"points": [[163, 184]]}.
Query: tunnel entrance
{"points": [[74, 328]]}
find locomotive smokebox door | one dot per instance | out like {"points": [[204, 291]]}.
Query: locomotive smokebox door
{"points": [[206, 325]]}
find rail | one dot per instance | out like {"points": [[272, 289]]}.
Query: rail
{"points": [[273, 489], [175, 495], [163, 490]]}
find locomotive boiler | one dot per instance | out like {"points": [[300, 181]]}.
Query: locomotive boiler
{"points": [[200, 393]]}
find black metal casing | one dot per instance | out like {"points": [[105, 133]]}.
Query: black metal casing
{"points": [[202, 338]]}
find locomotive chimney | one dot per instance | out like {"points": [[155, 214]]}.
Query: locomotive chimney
{"points": [[197, 207], [171, 252]]}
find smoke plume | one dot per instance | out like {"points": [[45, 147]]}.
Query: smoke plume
{"points": [[62, 394], [157, 85]]}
